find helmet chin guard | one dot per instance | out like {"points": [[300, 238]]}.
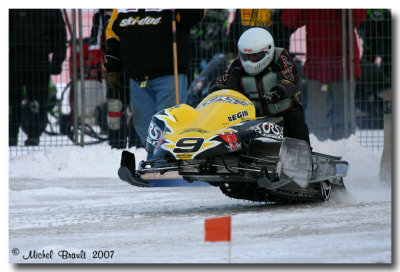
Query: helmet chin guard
{"points": [[256, 50]]}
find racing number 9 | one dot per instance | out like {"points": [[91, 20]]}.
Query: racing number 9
{"points": [[188, 145]]}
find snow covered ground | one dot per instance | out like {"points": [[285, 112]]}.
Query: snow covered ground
{"points": [[70, 200]]}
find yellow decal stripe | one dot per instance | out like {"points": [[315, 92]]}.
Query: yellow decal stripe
{"points": [[110, 34]]}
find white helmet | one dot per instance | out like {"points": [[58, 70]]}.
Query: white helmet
{"points": [[256, 50]]}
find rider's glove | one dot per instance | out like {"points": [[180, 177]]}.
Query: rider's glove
{"points": [[112, 65], [274, 95], [114, 80]]}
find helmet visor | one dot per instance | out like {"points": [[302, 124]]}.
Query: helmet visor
{"points": [[254, 57]]}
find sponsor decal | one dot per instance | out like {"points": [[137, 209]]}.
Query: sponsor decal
{"points": [[184, 156], [154, 134], [148, 20], [269, 129], [238, 115], [224, 99], [232, 140]]}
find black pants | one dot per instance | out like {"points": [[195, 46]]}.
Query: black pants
{"points": [[35, 80], [295, 125]]}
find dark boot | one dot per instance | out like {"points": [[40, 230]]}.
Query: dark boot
{"points": [[117, 138], [32, 142]]}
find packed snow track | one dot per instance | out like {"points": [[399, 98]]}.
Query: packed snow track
{"points": [[76, 219]]}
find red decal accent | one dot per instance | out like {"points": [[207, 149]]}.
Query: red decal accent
{"points": [[112, 114], [231, 139]]}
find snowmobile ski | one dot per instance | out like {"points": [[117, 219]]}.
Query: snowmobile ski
{"points": [[127, 172]]}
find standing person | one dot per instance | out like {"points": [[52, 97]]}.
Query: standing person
{"points": [[97, 41], [267, 75], [139, 42], [376, 32], [117, 127], [34, 35], [324, 70]]}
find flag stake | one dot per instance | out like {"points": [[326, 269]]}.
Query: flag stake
{"points": [[229, 251], [219, 230]]}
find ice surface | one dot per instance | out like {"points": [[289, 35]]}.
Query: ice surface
{"points": [[71, 199]]}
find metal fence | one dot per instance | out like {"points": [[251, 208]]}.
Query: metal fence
{"points": [[71, 105], [73, 111]]}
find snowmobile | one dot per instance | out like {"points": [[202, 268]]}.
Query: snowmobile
{"points": [[223, 143]]}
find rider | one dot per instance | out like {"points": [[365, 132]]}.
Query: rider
{"points": [[268, 77]]}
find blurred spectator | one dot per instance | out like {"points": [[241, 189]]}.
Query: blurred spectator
{"points": [[323, 68], [34, 35], [139, 41], [207, 40], [375, 63], [376, 32], [117, 131], [97, 40]]}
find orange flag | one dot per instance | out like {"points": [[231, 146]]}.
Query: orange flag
{"points": [[218, 229]]}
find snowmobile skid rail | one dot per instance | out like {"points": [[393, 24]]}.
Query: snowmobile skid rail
{"points": [[295, 173]]}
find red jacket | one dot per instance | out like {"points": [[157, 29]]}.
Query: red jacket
{"points": [[324, 41]]}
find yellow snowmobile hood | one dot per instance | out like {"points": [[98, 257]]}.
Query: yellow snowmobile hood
{"points": [[190, 131]]}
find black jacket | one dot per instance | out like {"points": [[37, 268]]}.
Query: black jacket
{"points": [[288, 76], [36, 33], [141, 41], [288, 80]]}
